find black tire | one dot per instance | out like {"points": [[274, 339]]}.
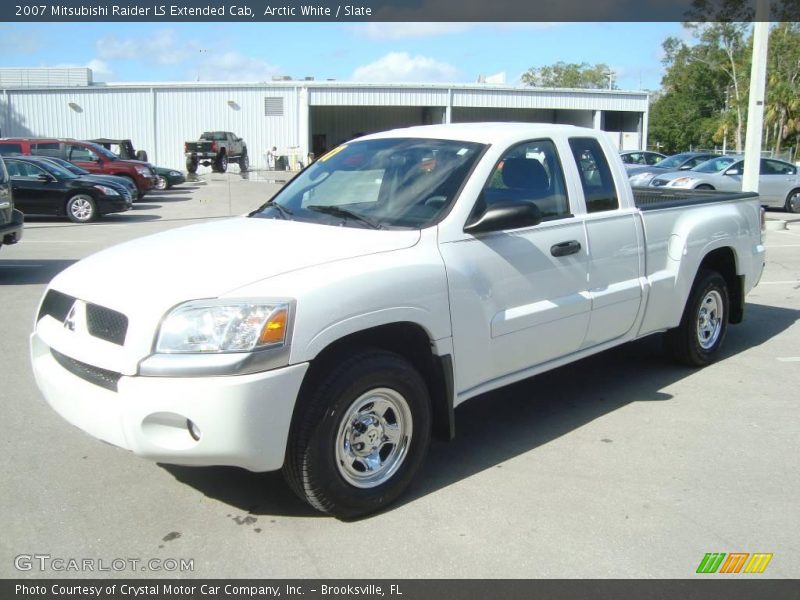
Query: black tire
{"points": [[161, 183], [221, 164], [322, 455], [191, 165], [793, 202], [697, 340], [704, 186], [244, 162], [81, 208]]}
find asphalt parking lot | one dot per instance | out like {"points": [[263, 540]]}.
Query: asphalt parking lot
{"points": [[621, 465]]}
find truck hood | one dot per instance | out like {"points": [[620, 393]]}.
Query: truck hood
{"points": [[208, 260]]}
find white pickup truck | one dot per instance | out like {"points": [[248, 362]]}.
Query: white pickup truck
{"points": [[332, 331]]}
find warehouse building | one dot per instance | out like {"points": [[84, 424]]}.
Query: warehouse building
{"points": [[296, 116]]}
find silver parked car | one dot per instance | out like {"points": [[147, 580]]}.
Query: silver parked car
{"points": [[778, 181], [640, 175]]}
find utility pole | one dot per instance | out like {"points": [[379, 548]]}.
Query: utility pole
{"points": [[755, 113]]}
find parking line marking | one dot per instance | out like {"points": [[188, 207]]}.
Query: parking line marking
{"points": [[789, 358], [789, 282]]}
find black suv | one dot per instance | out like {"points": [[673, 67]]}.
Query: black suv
{"points": [[10, 218]]}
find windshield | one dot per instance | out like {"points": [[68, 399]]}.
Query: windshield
{"points": [[101, 150], [673, 162], [715, 164], [55, 169], [218, 136], [393, 182], [65, 164]]}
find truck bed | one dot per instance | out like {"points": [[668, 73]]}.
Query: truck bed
{"points": [[648, 198]]}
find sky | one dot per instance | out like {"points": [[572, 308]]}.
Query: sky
{"points": [[368, 52]]}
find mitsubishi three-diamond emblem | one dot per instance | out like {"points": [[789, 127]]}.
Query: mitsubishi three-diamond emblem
{"points": [[69, 322]]}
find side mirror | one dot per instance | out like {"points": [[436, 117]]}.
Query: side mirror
{"points": [[685, 168], [732, 172], [505, 215], [44, 178]]}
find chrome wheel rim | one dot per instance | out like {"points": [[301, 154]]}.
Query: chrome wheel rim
{"points": [[709, 320], [794, 202], [81, 208], [373, 438], [161, 183]]}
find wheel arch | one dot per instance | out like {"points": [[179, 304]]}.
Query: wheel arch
{"points": [[409, 340], [724, 261]]}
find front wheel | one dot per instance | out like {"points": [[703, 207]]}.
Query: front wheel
{"points": [[793, 202], [697, 340], [704, 186], [161, 183], [359, 435], [81, 208]]}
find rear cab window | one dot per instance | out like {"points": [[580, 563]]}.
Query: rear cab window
{"points": [[599, 188], [46, 149], [10, 148]]}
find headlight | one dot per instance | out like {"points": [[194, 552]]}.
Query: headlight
{"points": [[682, 182], [106, 190], [640, 178], [214, 326], [174, 174]]}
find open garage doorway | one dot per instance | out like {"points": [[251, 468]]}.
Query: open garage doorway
{"points": [[334, 125]]}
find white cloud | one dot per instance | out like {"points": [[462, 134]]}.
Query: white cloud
{"points": [[162, 47], [402, 67], [101, 70], [232, 66], [399, 31]]}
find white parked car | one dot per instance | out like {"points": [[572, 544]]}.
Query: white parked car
{"points": [[778, 182], [332, 331]]}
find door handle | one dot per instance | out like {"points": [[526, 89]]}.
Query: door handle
{"points": [[565, 248]]}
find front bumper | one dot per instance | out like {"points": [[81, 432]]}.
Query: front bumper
{"points": [[243, 420], [11, 233]]}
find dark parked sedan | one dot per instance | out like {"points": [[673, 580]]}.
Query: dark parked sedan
{"points": [[122, 184], [42, 188]]}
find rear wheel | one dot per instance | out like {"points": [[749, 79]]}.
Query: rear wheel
{"points": [[359, 435], [697, 340], [221, 164], [244, 162], [793, 202], [191, 165], [81, 208], [161, 183]]}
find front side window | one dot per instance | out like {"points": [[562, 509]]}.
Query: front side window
{"points": [[596, 179], [80, 153], [529, 172], [382, 183], [23, 169]]}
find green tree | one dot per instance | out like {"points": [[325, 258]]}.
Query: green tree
{"points": [[570, 75], [783, 83]]}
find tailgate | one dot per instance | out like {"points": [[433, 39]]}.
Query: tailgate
{"points": [[199, 146]]}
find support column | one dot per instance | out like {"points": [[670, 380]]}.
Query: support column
{"points": [[755, 111], [448, 109], [597, 118], [304, 125]]}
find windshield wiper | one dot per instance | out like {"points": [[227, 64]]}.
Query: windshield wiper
{"points": [[284, 212], [338, 211]]}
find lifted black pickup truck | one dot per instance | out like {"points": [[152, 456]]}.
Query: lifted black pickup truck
{"points": [[11, 220], [216, 148]]}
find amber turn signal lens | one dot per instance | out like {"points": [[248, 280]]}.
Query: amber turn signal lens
{"points": [[274, 330]]}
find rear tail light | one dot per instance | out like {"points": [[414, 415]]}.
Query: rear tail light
{"points": [[186, 147], [213, 146], [763, 219]]}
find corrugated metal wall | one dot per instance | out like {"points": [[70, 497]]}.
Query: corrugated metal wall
{"points": [[159, 118], [45, 77]]}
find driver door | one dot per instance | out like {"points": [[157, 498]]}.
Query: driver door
{"points": [[84, 157], [518, 295]]}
